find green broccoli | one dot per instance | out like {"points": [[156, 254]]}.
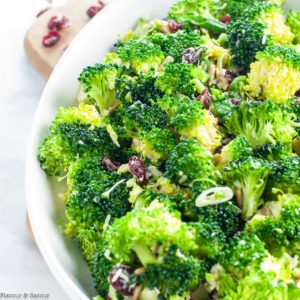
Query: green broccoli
{"points": [[249, 177], [285, 176], [278, 225], [143, 56], [140, 231], [275, 75], [273, 152], [293, 21], [101, 266], [198, 13], [235, 8], [260, 24], [75, 132], [176, 274], [98, 82], [94, 195], [155, 144], [138, 88], [246, 38], [184, 79], [188, 162], [142, 117], [174, 44], [246, 270], [236, 149], [171, 103], [191, 121], [261, 123]]}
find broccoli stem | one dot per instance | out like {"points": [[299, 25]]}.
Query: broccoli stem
{"points": [[209, 24], [144, 254]]}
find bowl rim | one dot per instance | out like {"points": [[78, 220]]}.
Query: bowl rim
{"points": [[68, 285]]}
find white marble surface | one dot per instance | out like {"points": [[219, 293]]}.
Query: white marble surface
{"points": [[22, 269]]}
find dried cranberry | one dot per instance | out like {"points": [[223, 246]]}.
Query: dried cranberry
{"points": [[108, 298], [42, 11], [119, 279], [173, 26], [235, 102], [58, 22], [110, 165], [204, 98], [138, 170], [93, 10], [190, 56], [297, 94], [226, 19], [51, 39], [229, 76]]}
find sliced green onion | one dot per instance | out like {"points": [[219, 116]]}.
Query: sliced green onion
{"points": [[214, 196]]}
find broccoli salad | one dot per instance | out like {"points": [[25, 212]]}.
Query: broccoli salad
{"points": [[182, 157]]}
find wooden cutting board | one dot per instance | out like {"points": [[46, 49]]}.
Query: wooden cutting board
{"points": [[44, 59]]}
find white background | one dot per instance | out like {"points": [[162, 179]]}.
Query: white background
{"points": [[22, 269]]}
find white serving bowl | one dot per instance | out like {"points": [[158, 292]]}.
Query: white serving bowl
{"points": [[46, 212]]}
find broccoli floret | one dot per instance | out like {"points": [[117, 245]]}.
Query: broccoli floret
{"points": [[170, 104], [261, 123], [138, 88], [140, 231], [246, 270], [260, 24], [249, 177], [244, 252], [101, 266], [98, 82], [174, 44], [209, 237], [94, 194], [191, 121], [293, 21], [275, 75], [245, 39], [203, 14], [142, 117], [235, 8], [285, 176], [75, 132], [227, 215], [189, 162], [238, 148], [273, 152], [278, 225], [155, 144], [142, 55], [176, 275], [271, 15], [181, 78]]}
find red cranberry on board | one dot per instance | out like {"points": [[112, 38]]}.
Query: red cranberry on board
{"points": [[58, 22], [226, 19], [93, 10], [138, 170], [204, 98], [119, 279], [42, 11], [173, 26], [51, 39], [190, 55], [110, 165]]}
